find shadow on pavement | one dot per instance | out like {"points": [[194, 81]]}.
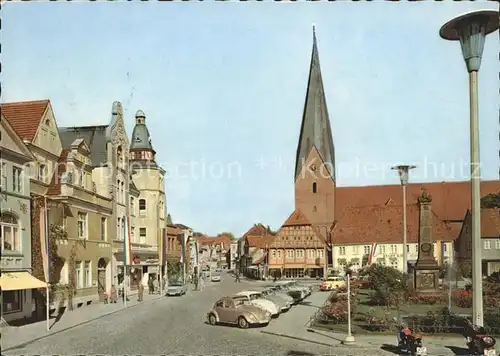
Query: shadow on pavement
{"points": [[391, 348], [299, 353], [323, 334], [458, 350]]}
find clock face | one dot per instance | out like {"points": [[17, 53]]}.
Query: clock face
{"points": [[313, 167], [425, 247]]}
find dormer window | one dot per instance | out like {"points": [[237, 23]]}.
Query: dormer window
{"points": [[47, 122]]}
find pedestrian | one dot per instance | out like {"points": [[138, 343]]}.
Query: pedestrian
{"points": [[113, 295], [155, 286], [202, 282], [140, 292], [237, 279], [150, 285]]}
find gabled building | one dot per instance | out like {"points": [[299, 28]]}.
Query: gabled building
{"points": [[16, 280], [490, 241], [87, 217]]}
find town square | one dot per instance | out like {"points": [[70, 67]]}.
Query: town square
{"points": [[307, 179]]}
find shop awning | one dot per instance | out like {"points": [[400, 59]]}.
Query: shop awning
{"points": [[20, 281]]}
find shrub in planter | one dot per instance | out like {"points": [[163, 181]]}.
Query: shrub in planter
{"points": [[429, 299], [335, 314], [377, 323], [492, 320], [335, 298], [442, 321], [462, 298]]}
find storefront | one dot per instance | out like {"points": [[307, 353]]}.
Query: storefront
{"points": [[16, 294]]}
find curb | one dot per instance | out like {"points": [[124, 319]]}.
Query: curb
{"points": [[49, 334], [298, 338]]}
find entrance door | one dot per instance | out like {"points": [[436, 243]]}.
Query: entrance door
{"points": [[101, 283]]}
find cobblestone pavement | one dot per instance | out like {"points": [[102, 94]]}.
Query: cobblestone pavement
{"points": [[176, 326]]}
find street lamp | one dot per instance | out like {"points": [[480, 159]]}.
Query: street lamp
{"points": [[471, 29], [403, 171], [349, 339]]}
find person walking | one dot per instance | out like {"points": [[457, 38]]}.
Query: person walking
{"points": [[237, 279], [150, 285], [140, 292], [155, 286], [113, 295]]}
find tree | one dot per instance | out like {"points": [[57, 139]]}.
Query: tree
{"points": [[174, 270], [491, 201], [389, 284]]}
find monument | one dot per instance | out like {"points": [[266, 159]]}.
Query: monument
{"points": [[426, 269]]}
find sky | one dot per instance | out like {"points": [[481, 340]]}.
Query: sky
{"points": [[223, 88]]}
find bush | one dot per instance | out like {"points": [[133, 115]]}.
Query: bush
{"points": [[492, 321], [390, 285], [377, 323], [442, 321], [462, 298], [429, 299]]}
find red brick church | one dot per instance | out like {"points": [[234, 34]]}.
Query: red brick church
{"points": [[303, 243]]}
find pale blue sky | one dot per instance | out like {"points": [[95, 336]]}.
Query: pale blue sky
{"points": [[224, 84]]}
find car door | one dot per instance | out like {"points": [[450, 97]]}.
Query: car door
{"points": [[231, 311], [221, 311]]}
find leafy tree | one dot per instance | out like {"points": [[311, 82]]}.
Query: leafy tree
{"points": [[389, 284], [491, 201], [229, 234], [174, 270]]}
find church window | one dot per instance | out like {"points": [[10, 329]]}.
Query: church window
{"points": [[315, 209], [315, 187], [142, 207]]}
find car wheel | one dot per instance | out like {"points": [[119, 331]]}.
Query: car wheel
{"points": [[212, 319], [242, 322]]}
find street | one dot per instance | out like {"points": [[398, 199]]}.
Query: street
{"points": [[175, 325]]}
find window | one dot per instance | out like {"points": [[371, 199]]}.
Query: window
{"points": [[132, 206], [497, 244], [487, 244], [394, 264], [78, 274], [445, 247], [382, 249], [3, 175], [315, 209], [290, 253], [42, 172], [142, 207], [11, 301], [279, 253], [88, 274], [142, 234], [342, 250], [394, 248], [9, 233], [132, 233], [103, 229], [321, 253], [122, 188], [315, 187], [366, 250], [82, 225], [274, 253], [119, 156], [407, 248], [355, 250], [119, 232], [119, 191], [16, 179]]}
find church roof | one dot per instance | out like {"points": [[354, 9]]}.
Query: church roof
{"points": [[25, 116], [315, 129]]}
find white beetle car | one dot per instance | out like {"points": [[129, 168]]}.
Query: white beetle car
{"points": [[254, 299]]}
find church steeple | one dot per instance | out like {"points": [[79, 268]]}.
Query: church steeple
{"points": [[315, 130]]}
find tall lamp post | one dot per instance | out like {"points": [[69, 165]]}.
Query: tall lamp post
{"points": [[349, 339], [403, 171], [471, 29]]}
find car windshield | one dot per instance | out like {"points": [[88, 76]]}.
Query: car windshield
{"points": [[240, 300], [255, 296], [175, 284]]}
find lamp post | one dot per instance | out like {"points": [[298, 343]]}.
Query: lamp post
{"points": [[349, 339], [403, 171], [471, 29]]}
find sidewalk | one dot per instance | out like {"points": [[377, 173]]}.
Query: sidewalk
{"points": [[19, 335]]}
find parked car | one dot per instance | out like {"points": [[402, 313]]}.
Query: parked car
{"points": [[176, 288], [255, 298], [283, 305], [297, 293], [332, 283], [235, 311], [306, 288], [276, 291], [215, 277]]}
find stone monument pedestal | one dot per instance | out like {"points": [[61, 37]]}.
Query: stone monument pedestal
{"points": [[426, 278]]}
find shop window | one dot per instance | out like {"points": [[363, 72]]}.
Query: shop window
{"points": [[12, 301]]}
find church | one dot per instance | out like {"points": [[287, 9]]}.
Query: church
{"points": [[331, 227]]}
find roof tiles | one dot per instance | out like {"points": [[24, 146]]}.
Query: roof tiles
{"points": [[25, 116]]}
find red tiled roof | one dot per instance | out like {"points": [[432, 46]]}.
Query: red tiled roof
{"points": [[383, 224], [206, 240], [450, 200], [490, 223], [257, 229], [55, 184], [297, 218], [260, 241], [25, 116]]}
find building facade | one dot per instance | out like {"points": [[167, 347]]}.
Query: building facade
{"points": [[15, 223], [87, 217], [490, 241], [148, 177]]}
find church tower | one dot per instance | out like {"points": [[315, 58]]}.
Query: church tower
{"points": [[148, 178], [315, 160]]}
